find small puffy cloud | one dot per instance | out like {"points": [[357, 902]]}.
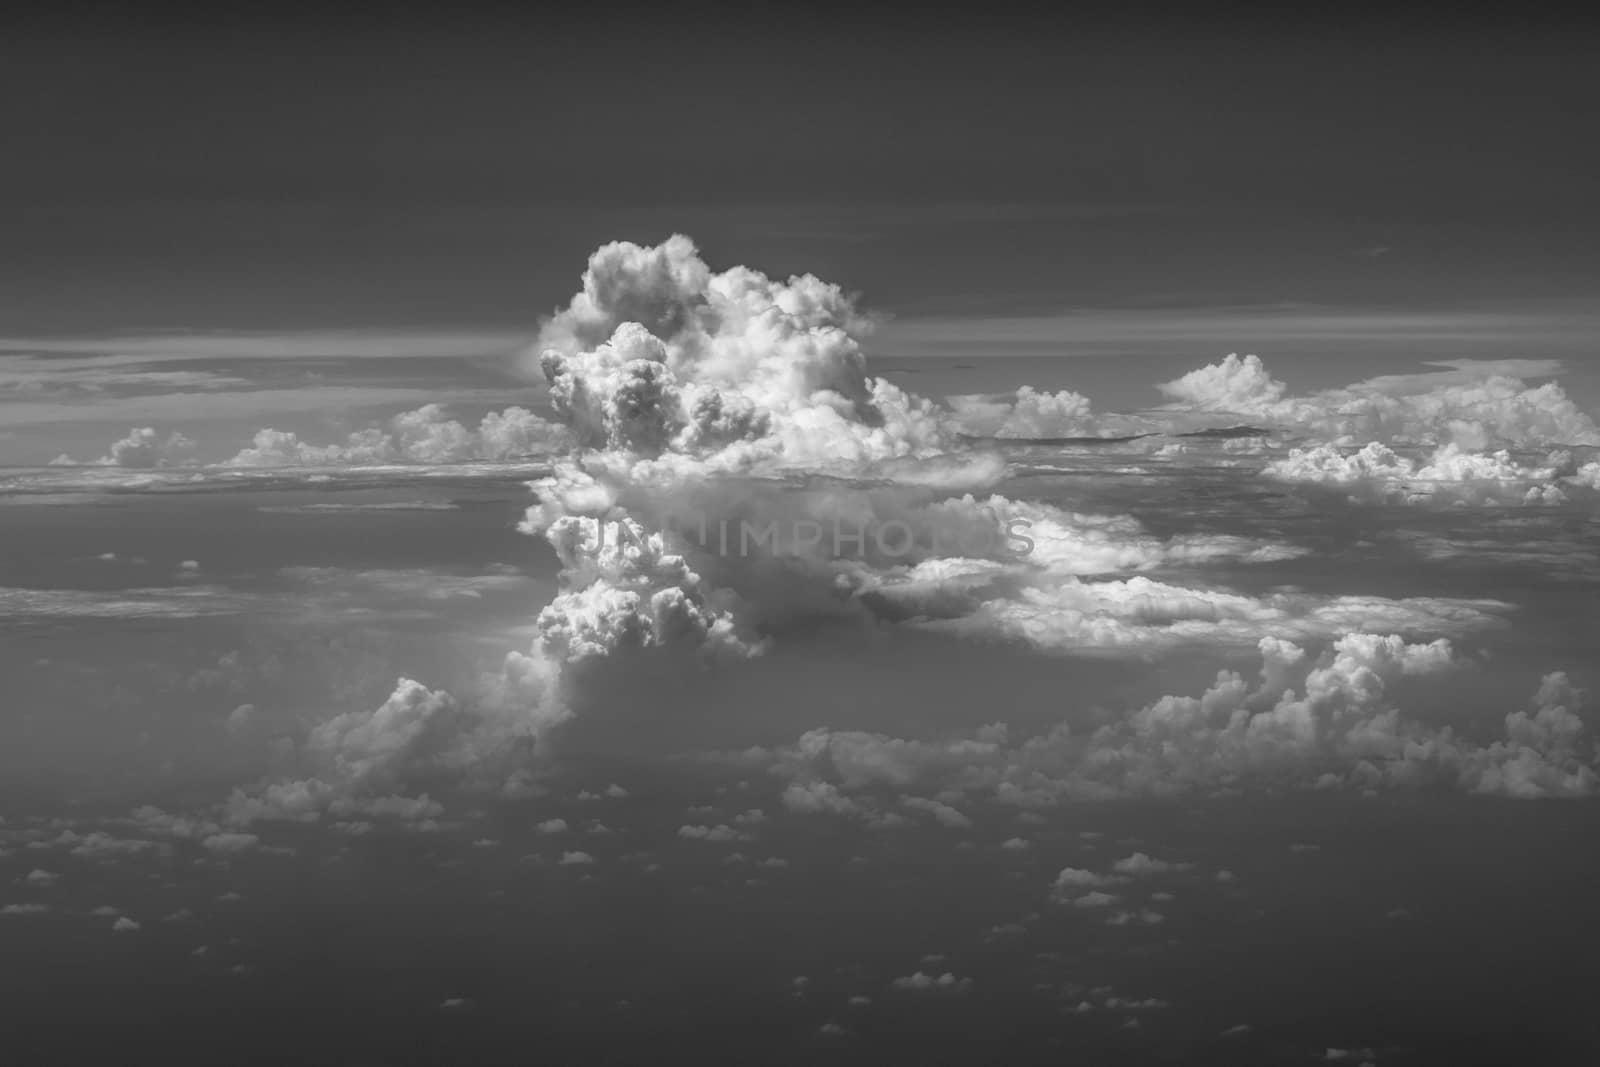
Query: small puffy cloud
{"points": [[551, 826], [24, 909], [1135, 1004], [1074, 878], [1140, 864], [144, 449], [1095, 899], [818, 797], [99, 845], [922, 982], [240, 718], [576, 859], [425, 435], [1145, 917], [124, 925], [718, 834], [231, 842], [942, 813]]}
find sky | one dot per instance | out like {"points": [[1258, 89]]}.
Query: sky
{"points": [[960, 539], [1335, 193], [416, 169]]}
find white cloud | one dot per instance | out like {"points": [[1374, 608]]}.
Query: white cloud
{"points": [[944, 814], [1071, 879], [717, 834], [1474, 412], [1140, 864], [231, 842], [424, 435], [1308, 720], [922, 982], [1451, 475], [1029, 413]]}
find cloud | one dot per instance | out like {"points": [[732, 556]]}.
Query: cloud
{"points": [[144, 449], [943, 983], [658, 354], [1308, 721], [231, 842], [1143, 917], [414, 726], [1454, 407], [424, 435], [140, 349], [1140, 864], [24, 909], [818, 797], [372, 762], [1139, 616], [624, 588], [1071, 879], [1029, 413], [718, 834], [169, 603], [944, 814], [1451, 475], [99, 845]]}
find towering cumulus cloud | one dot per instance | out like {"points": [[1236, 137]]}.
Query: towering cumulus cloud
{"points": [[681, 384], [660, 359]]}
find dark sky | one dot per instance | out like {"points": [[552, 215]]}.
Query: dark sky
{"points": [[291, 171]]}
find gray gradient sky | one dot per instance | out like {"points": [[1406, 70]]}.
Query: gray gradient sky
{"points": [[317, 172]]}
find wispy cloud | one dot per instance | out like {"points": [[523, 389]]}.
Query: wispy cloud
{"points": [[296, 344], [1567, 323]]}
